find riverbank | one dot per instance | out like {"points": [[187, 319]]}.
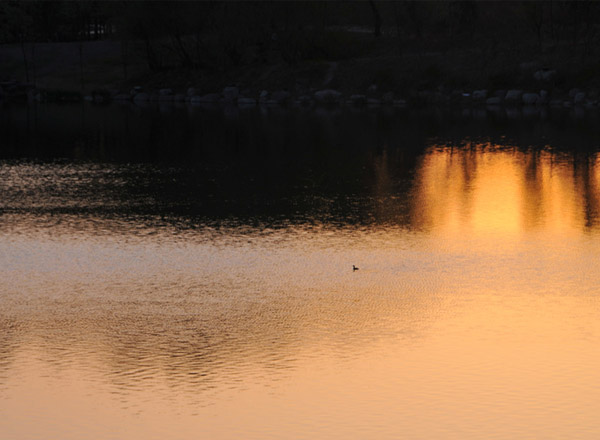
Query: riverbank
{"points": [[377, 73]]}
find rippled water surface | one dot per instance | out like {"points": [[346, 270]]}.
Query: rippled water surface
{"points": [[187, 274]]}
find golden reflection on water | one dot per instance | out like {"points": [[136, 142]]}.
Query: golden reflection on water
{"points": [[476, 319], [486, 190]]}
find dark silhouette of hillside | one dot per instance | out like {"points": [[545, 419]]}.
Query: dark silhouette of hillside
{"points": [[403, 47]]}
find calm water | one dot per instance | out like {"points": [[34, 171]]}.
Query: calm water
{"points": [[187, 273]]}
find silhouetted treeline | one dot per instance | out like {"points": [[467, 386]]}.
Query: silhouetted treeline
{"points": [[221, 33], [52, 21]]}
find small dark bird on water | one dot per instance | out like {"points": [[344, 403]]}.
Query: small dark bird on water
{"points": [[354, 268]]}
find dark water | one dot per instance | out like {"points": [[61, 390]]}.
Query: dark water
{"points": [[265, 165], [187, 273]]}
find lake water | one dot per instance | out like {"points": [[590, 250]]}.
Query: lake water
{"points": [[186, 273]]}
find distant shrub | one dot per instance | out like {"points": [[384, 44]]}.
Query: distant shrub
{"points": [[503, 80], [326, 44], [61, 96], [385, 78], [430, 76], [588, 74]]}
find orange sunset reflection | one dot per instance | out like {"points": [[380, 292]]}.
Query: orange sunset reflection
{"points": [[485, 189], [473, 314]]}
